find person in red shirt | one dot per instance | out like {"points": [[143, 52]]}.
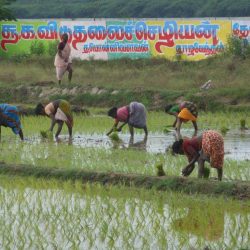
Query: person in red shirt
{"points": [[207, 147], [133, 114]]}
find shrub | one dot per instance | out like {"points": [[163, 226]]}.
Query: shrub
{"points": [[238, 47], [37, 48], [52, 48]]}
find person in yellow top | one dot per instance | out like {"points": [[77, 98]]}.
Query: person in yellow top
{"points": [[184, 112], [63, 61]]}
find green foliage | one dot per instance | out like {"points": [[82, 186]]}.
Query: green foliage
{"points": [[206, 172], [129, 8], [224, 130], [45, 134], [5, 12], [52, 48], [160, 170], [243, 124], [159, 220], [37, 48], [114, 137], [238, 47]]}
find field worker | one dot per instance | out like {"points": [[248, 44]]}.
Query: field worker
{"points": [[134, 115], [9, 117], [59, 112], [207, 147], [184, 112], [63, 61]]}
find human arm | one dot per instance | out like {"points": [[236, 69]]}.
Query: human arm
{"points": [[174, 124], [21, 134], [192, 154], [120, 128], [176, 116], [113, 128], [195, 128], [186, 171], [178, 128], [60, 48]]}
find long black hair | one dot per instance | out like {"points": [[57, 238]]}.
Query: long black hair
{"points": [[39, 110], [112, 112], [168, 107], [177, 146]]}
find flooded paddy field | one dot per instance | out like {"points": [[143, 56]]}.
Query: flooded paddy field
{"points": [[39, 213], [92, 150], [237, 143], [51, 214]]}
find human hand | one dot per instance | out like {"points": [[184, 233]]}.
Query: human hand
{"points": [[184, 172]]}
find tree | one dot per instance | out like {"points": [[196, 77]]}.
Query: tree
{"points": [[5, 12]]}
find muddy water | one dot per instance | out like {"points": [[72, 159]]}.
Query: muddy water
{"points": [[237, 143]]}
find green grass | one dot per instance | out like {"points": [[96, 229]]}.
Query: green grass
{"points": [[153, 74], [154, 82], [53, 214]]}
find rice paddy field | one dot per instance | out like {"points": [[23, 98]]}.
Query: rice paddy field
{"points": [[41, 213]]}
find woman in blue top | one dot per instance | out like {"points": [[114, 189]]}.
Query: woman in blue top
{"points": [[9, 117]]}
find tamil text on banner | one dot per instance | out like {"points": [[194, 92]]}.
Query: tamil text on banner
{"points": [[186, 39], [241, 29]]}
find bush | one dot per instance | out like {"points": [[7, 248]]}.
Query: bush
{"points": [[52, 48], [238, 47], [37, 48]]}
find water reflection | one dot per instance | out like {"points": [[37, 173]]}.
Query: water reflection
{"points": [[92, 217], [140, 145], [202, 222], [237, 142]]}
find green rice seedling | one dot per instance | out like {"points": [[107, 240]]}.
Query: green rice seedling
{"points": [[94, 215], [224, 130], [206, 172], [242, 124], [115, 137], [46, 134], [166, 129], [160, 170]]}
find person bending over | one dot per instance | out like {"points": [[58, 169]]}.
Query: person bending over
{"points": [[207, 147], [133, 114], [183, 112], [59, 112], [9, 117]]}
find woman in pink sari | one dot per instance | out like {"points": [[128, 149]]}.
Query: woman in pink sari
{"points": [[133, 114]]}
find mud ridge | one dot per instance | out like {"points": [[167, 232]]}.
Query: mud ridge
{"points": [[234, 189]]}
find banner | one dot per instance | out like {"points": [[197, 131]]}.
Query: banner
{"points": [[180, 39], [241, 29]]}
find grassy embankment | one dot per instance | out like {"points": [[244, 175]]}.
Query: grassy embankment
{"points": [[154, 82], [236, 189]]}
